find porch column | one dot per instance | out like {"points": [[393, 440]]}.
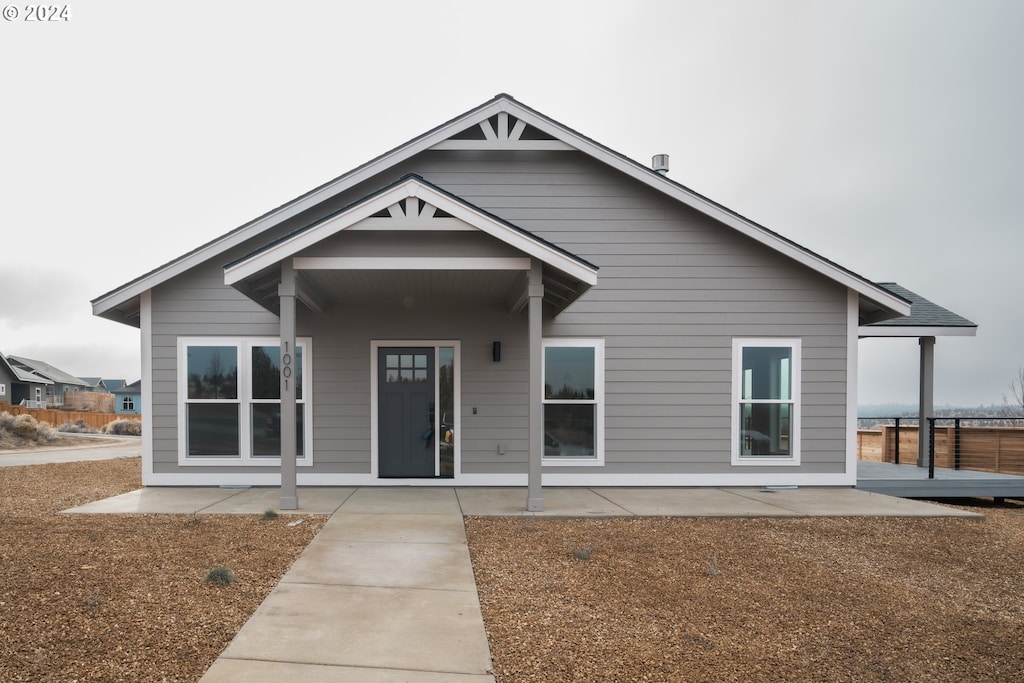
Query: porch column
{"points": [[926, 404], [535, 291], [286, 292]]}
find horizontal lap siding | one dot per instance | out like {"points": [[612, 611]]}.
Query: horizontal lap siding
{"points": [[674, 289]]}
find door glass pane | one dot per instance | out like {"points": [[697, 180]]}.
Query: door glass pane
{"points": [[569, 429], [212, 372], [421, 360], [266, 429], [765, 429], [569, 372], [212, 429], [766, 373], [446, 387], [406, 361]]}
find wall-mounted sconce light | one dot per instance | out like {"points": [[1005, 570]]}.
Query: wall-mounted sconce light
{"points": [[496, 351]]}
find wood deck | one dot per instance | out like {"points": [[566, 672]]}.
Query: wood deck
{"points": [[910, 481]]}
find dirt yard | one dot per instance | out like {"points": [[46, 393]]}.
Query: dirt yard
{"points": [[122, 597], [753, 599]]}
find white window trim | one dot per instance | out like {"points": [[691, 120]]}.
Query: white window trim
{"points": [[738, 344], [597, 460], [245, 401]]}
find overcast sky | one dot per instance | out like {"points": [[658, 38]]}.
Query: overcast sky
{"points": [[884, 135]]}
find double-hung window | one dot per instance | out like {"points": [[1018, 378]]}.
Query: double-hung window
{"points": [[766, 402], [231, 407], [573, 378]]}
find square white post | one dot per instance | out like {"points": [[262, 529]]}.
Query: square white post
{"points": [[289, 375]]}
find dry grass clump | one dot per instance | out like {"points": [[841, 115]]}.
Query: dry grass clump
{"points": [[76, 427], [24, 429], [123, 427]]}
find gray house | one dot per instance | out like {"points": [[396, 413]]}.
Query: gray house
{"points": [[37, 383], [19, 385], [500, 301]]}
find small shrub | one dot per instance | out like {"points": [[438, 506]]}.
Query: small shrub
{"points": [[6, 421], [269, 515], [123, 428], [76, 427], [25, 427], [713, 569], [581, 552], [222, 576]]}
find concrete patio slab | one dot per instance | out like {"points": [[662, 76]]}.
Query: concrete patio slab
{"points": [[692, 502], [244, 671], [403, 500], [157, 500], [558, 502], [318, 500], [370, 627], [393, 528], [440, 566], [813, 501]]}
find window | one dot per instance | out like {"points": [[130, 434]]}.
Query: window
{"points": [[232, 400], [3, 389], [766, 401], [127, 403], [573, 401]]}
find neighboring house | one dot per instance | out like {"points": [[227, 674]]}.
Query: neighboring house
{"points": [[501, 301], [42, 384], [95, 384], [113, 385], [21, 386], [128, 399]]}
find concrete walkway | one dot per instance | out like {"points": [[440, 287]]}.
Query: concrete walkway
{"points": [[106, 448], [385, 592]]}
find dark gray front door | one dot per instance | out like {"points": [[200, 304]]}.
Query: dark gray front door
{"points": [[406, 412]]}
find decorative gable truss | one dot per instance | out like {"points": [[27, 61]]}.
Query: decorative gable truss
{"points": [[503, 131], [411, 213]]}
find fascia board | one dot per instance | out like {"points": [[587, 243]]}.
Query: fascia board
{"points": [[709, 208], [912, 331], [242, 234], [238, 271], [442, 132]]}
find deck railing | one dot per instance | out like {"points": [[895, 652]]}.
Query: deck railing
{"points": [[963, 442]]}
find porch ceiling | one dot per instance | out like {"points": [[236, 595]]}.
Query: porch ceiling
{"points": [[332, 290]]}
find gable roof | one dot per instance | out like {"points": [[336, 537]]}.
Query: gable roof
{"points": [[44, 369], [926, 319], [503, 123], [133, 388], [414, 203], [23, 374]]}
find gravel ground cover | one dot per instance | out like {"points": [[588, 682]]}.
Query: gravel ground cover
{"points": [[753, 599], [122, 597]]}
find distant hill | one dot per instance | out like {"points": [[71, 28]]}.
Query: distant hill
{"points": [[1006, 416]]}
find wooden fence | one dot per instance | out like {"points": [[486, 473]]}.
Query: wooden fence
{"points": [[57, 417], [984, 449]]}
